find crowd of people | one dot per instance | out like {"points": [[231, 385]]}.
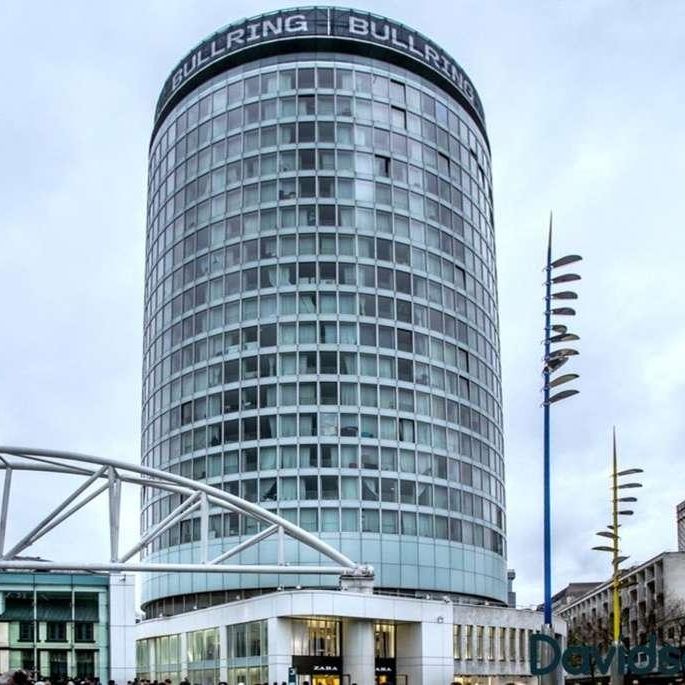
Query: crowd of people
{"points": [[21, 677], [185, 681]]}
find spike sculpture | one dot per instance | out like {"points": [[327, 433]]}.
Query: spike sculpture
{"points": [[553, 361]]}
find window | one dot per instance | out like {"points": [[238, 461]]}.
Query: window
{"points": [[83, 632], [267, 490], [329, 393], [385, 640], [305, 78], [457, 641], [390, 522], [26, 631], [56, 631], [349, 486], [27, 661], [246, 640], [409, 523], [370, 489], [491, 643], [309, 487], [330, 520], [329, 487], [480, 630], [381, 165], [315, 637], [370, 521], [309, 519], [398, 117], [307, 159], [388, 490], [369, 458], [288, 489], [329, 456]]}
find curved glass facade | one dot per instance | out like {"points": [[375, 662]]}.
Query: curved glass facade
{"points": [[321, 323]]}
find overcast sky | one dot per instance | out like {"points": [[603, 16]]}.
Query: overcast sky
{"points": [[585, 107]]}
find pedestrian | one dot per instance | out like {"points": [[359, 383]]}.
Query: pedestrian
{"points": [[17, 677]]}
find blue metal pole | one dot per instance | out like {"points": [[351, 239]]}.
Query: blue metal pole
{"points": [[546, 436]]}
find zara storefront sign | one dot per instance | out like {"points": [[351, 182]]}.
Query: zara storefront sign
{"points": [[385, 666], [320, 26], [317, 665]]}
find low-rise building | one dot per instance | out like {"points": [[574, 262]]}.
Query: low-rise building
{"points": [[680, 525], [340, 637], [652, 601], [68, 624], [570, 594]]}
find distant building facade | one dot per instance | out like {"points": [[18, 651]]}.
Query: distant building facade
{"points": [[570, 594], [511, 594], [652, 601], [68, 625], [680, 523]]}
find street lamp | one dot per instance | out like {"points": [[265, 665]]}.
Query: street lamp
{"points": [[617, 502], [554, 359]]}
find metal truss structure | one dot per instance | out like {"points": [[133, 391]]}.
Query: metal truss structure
{"points": [[100, 475]]}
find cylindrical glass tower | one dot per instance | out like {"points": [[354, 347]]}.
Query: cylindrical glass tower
{"points": [[321, 330]]}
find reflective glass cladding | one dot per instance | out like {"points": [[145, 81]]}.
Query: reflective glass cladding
{"points": [[321, 322]]}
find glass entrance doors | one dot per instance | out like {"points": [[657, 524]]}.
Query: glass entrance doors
{"points": [[325, 680], [318, 680]]}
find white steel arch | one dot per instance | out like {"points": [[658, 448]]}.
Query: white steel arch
{"points": [[100, 475]]}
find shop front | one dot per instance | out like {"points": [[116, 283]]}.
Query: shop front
{"points": [[318, 670], [385, 640], [385, 672]]}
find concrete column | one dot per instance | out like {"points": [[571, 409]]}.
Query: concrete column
{"points": [[279, 637], [425, 652], [44, 663], [120, 649], [359, 651], [152, 658], [71, 661], [408, 652], [223, 653], [438, 652], [101, 632], [183, 644]]}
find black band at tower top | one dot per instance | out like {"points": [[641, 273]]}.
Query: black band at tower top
{"points": [[318, 30]]}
